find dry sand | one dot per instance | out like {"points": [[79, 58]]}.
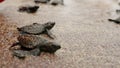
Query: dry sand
{"points": [[88, 40]]}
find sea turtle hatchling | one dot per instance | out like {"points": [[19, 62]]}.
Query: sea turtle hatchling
{"points": [[33, 41], [37, 29], [56, 2], [41, 1], [28, 9]]}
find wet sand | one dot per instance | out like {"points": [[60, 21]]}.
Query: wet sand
{"points": [[88, 40]]}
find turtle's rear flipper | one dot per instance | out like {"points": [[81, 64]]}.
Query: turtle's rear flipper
{"points": [[13, 45], [115, 21], [21, 31]]}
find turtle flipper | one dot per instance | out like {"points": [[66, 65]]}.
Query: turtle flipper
{"points": [[14, 44], [50, 34], [35, 52], [23, 53], [20, 54], [115, 21]]}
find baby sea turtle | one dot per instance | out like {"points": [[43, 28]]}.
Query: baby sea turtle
{"points": [[52, 2], [117, 21], [28, 9], [23, 53], [37, 29], [56, 2], [41, 1], [33, 41]]}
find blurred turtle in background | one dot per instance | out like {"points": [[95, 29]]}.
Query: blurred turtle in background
{"points": [[56, 2], [41, 1], [52, 2], [28, 9]]}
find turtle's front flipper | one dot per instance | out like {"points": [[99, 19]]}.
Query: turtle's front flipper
{"points": [[23, 53], [48, 32], [20, 54], [115, 21], [35, 52]]}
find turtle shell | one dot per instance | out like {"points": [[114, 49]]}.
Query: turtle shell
{"points": [[33, 29], [30, 41]]}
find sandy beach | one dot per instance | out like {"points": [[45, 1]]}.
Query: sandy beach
{"points": [[87, 38]]}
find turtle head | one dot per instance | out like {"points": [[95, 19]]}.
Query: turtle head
{"points": [[49, 25], [19, 29], [50, 47], [36, 7], [55, 45]]}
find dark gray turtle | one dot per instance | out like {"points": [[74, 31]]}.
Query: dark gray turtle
{"points": [[37, 29], [28, 9], [23, 53], [118, 11], [33, 41], [117, 21], [56, 2], [41, 1]]}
